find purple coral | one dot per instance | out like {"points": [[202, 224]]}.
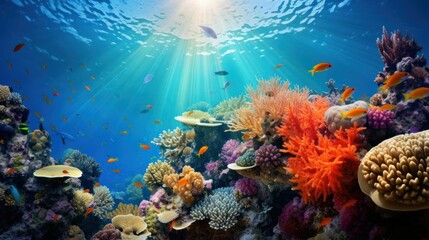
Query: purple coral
{"points": [[229, 151], [144, 205], [247, 186], [109, 232], [268, 156], [380, 119], [297, 220]]}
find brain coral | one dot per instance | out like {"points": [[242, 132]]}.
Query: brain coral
{"points": [[395, 173], [333, 116]]}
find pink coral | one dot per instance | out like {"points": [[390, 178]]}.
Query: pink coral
{"points": [[380, 119], [229, 151], [247, 186]]}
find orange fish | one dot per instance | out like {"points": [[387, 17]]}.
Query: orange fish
{"points": [[18, 47], [65, 171], [124, 132], [149, 106], [354, 113], [245, 136], [88, 211], [145, 146], [116, 171], [320, 68], [171, 225], [97, 184], [278, 66], [393, 80], [418, 93], [38, 114], [157, 121], [56, 217], [202, 150], [191, 135], [182, 182], [190, 113], [387, 107], [349, 203], [325, 221], [10, 170], [346, 94], [110, 160], [64, 118], [138, 184], [87, 88], [86, 190]]}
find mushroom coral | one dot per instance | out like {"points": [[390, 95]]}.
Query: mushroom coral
{"points": [[321, 165]]}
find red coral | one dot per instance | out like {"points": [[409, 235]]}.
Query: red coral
{"points": [[321, 165]]}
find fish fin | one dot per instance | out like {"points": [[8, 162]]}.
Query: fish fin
{"points": [[343, 115], [63, 140], [382, 88], [341, 100], [312, 72]]}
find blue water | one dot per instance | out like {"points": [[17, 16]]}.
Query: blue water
{"points": [[118, 43]]}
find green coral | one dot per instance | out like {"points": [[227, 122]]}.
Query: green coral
{"points": [[247, 159], [225, 109], [155, 173]]}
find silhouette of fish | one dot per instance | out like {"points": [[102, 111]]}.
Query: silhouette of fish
{"points": [[221, 73], [208, 31]]}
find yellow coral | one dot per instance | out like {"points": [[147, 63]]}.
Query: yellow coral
{"points": [[4, 93], [124, 209], [155, 173], [194, 184], [82, 200]]}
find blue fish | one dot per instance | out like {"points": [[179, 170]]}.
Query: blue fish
{"points": [[15, 194], [148, 78], [64, 136], [209, 32]]}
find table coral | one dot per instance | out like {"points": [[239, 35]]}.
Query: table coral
{"points": [[155, 173], [395, 173]]}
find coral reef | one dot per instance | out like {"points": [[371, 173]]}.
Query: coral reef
{"points": [[109, 232], [219, 208], [174, 144], [130, 226], [75, 233], [380, 119], [229, 151], [334, 120], [247, 186], [268, 156], [190, 185], [103, 202], [82, 200], [155, 172], [225, 109], [200, 106], [91, 169], [124, 209], [395, 174]]}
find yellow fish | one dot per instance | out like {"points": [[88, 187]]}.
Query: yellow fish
{"points": [[346, 94], [393, 80], [354, 113], [124, 132], [320, 68], [418, 93]]}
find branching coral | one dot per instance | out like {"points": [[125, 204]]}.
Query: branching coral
{"points": [[90, 168], [225, 109], [260, 118], [191, 184], [174, 143], [155, 173], [82, 200], [124, 209], [103, 202], [320, 165], [220, 208]]}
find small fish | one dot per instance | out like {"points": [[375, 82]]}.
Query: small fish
{"points": [[66, 172], [226, 85], [92, 77], [221, 73], [182, 181], [71, 82], [87, 88], [97, 184], [88, 211], [157, 121], [191, 135], [16, 82], [145, 146], [325, 221], [56, 217], [246, 137], [349, 203], [69, 99], [346, 94], [23, 128], [9, 65], [93, 100], [111, 160], [149, 106], [56, 94], [138, 184], [47, 100], [148, 78], [10, 170], [387, 107], [27, 72], [393, 80], [15, 194], [74, 90], [202, 150], [82, 65], [418, 93], [144, 111], [44, 67], [209, 32], [124, 132], [354, 113], [18, 47], [86, 190], [277, 66], [190, 113], [125, 118], [171, 225], [53, 127], [320, 68], [116, 171], [26, 98], [63, 118]]}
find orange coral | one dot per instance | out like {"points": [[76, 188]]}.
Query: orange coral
{"points": [[193, 187], [319, 162]]}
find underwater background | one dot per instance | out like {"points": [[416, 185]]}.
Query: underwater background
{"points": [[104, 79]]}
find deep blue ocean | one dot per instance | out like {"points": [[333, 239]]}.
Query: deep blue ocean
{"points": [[96, 54]]}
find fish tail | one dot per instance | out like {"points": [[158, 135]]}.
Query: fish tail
{"points": [[341, 100], [382, 88], [312, 72], [198, 155], [343, 115], [407, 97]]}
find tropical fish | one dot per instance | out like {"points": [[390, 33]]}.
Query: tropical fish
{"points": [[148, 78], [278, 66], [387, 107], [88, 211], [349, 203], [149, 106], [394, 79], [144, 111], [74, 90], [111, 160], [157, 121], [56, 94], [87, 88], [171, 225], [208, 31], [15, 194], [56, 217], [221, 73], [97, 184], [71, 82], [64, 136], [246, 136], [26, 98], [70, 99], [354, 113], [64, 118], [418, 93], [226, 85], [138, 184], [182, 182], [86, 190], [66, 172], [18, 47], [346, 94], [47, 100], [145, 146], [116, 171], [191, 135], [325, 221], [124, 132], [9, 65], [10, 170], [16, 82], [44, 67], [202, 150], [23, 128], [92, 77], [320, 68]]}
